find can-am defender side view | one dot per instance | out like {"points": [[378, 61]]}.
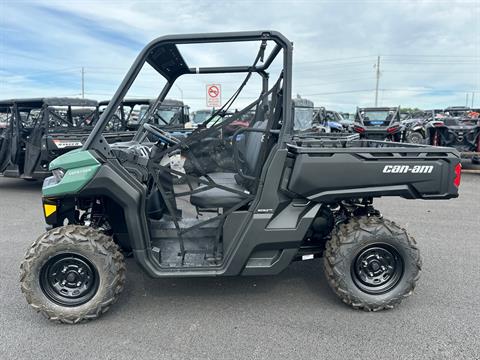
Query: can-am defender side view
{"points": [[379, 123], [251, 205]]}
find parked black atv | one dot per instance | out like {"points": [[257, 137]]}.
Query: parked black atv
{"points": [[414, 126], [461, 133], [274, 197], [379, 123]]}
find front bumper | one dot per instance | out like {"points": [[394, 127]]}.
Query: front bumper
{"points": [[50, 211]]}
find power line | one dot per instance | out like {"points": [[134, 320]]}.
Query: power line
{"points": [[340, 92], [48, 72], [431, 55], [432, 62], [426, 71], [388, 90], [427, 90], [327, 83], [335, 59]]}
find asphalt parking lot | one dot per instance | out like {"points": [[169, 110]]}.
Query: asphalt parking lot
{"points": [[293, 315]]}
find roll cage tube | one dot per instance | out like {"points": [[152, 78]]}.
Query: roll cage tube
{"points": [[394, 115], [95, 142]]}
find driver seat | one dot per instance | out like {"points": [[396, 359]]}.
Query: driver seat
{"points": [[254, 152], [220, 198]]}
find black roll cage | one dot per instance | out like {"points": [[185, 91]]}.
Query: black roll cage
{"points": [[129, 103], [48, 106], [163, 55], [359, 117]]}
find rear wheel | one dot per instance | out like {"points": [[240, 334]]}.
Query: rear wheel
{"points": [[372, 263], [72, 273], [415, 138]]}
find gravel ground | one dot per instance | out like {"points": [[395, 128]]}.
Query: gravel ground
{"points": [[293, 315]]}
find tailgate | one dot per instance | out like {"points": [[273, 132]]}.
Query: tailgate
{"points": [[330, 175]]}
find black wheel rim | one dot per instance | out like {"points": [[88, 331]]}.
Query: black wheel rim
{"points": [[377, 269], [69, 279]]}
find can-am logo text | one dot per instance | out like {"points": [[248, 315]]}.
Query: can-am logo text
{"points": [[404, 169]]}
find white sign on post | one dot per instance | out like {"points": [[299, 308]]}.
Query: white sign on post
{"points": [[214, 95]]}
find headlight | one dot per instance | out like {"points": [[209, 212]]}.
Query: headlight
{"points": [[58, 174]]}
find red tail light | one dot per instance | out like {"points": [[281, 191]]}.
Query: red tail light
{"points": [[393, 129], [359, 129], [458, 175], [438, 123]]}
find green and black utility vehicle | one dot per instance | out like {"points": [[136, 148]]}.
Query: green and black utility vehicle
{"points": [[252, 204]]}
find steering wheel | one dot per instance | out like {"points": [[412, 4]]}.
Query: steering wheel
{"points": [[162, 135]]}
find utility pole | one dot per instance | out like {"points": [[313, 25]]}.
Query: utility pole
{"points": [[378, 80], [473, 96], [179, 89], [466, 99], [83, 82]]}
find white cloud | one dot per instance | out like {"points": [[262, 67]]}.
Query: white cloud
{"points": [[436, 43]]}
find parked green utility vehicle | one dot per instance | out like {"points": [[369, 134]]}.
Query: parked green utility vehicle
{"points": [[251, 204]]}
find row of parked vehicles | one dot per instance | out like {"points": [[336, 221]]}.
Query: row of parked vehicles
{"points": [[457, 127], [259, 188], [33, 132]]}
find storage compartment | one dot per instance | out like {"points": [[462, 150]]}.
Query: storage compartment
{"points": [[331, 170]]}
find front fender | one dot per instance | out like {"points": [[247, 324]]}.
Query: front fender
{"points": [[79, 168]]}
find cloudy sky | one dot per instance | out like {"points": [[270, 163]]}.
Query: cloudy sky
{"points": [[429, 50]]}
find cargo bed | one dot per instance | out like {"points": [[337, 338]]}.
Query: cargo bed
{"points": [[331, 170]]}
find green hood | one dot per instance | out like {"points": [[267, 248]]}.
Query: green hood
{"points": [[79, 166]]}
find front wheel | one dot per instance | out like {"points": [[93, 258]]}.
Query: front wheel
{"points": [[371, 263], [72, 274]]}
